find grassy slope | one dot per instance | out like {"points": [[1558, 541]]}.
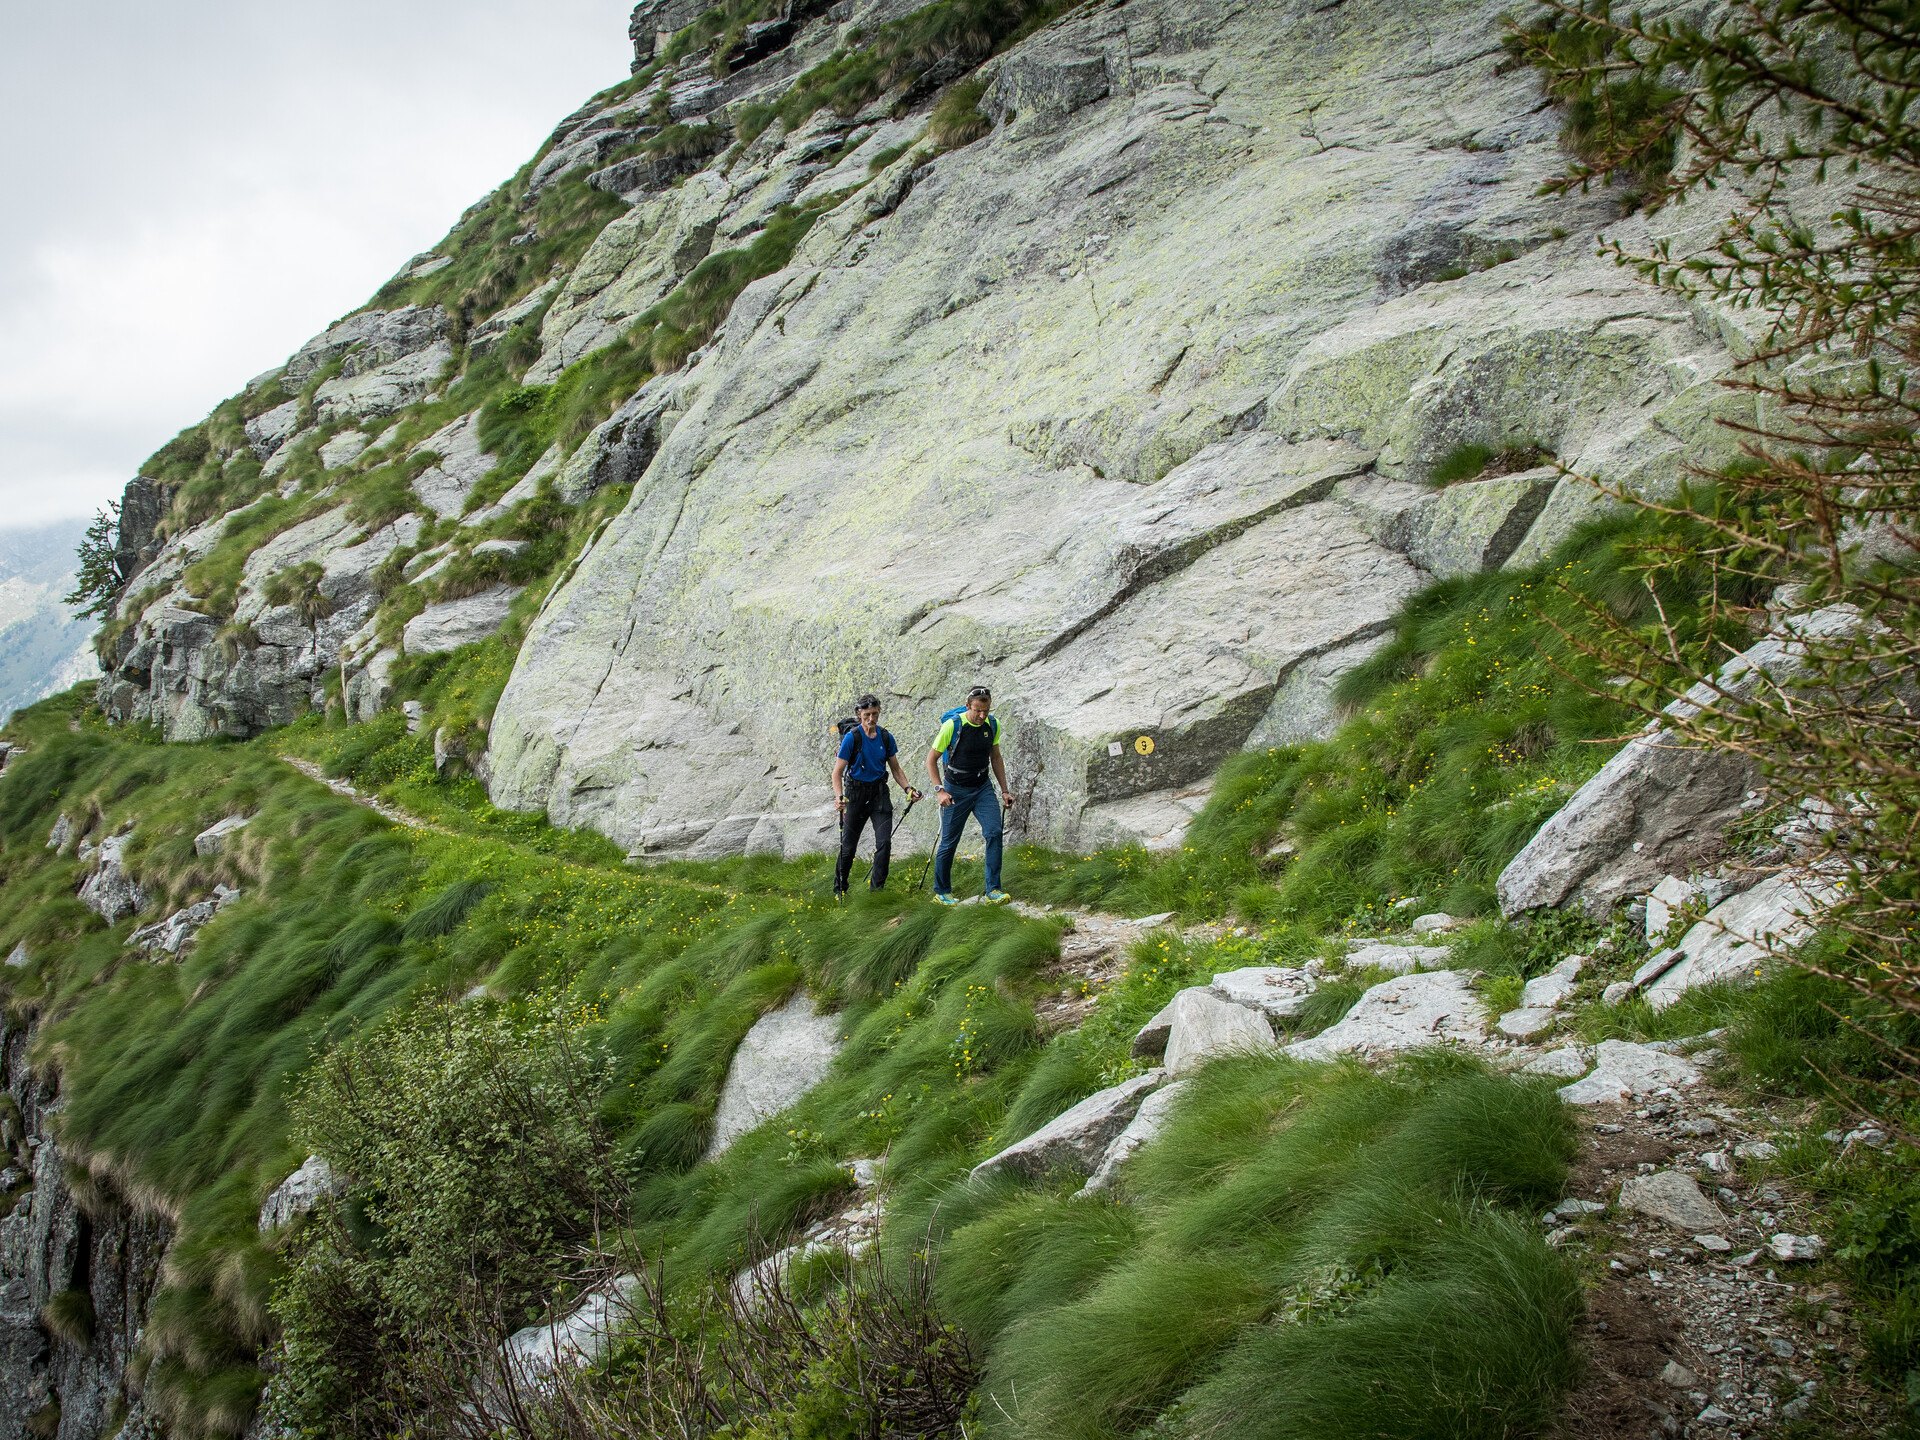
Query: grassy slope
{"points": [[179, 1077]]}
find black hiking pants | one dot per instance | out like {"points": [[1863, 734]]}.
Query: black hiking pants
{"points": [[866, 800]]}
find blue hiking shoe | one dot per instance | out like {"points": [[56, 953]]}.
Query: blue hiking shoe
{"points": [[945, 900], [998, 897]]}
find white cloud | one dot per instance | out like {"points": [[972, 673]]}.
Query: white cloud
{"points": [[199, 188]]}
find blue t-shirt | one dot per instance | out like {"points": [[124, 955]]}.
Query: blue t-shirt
{"points": [[867, 759]]}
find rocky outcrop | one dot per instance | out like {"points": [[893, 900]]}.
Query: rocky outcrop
{"points": [[786, 1053], [1437, 1008], [1076, 1140], [110, 890], [1738, 936], [314, 1182], [174, 934], [366, 342], [453, 623], [198, 677], [1659, 801], [66, 1373]]}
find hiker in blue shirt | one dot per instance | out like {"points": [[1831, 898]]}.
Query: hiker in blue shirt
{"points": [[860, 791], [969, 742]]}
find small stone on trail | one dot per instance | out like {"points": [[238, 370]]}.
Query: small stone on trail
{"points": [[1719, 1244], [1756, 1150], [1679, 1376], [1436, 922], [1797, 1247], [1160, 919]]}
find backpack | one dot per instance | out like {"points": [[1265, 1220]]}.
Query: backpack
{"points": [[993, 724]]}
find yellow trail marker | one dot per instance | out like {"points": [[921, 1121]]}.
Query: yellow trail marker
{"points": [[1144, 745]]}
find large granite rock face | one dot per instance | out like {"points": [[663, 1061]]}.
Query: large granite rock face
{"points": [[48, 1245], [1128, 409], [1085, 411]]}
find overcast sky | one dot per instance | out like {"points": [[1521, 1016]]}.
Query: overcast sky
{"points": [[191, 190]]}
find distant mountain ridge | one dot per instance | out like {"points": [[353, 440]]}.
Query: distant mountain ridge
{"points": [[43, 648]]}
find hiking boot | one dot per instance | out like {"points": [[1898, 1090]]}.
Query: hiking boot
{"points": [[945, 900], [998, 897]]}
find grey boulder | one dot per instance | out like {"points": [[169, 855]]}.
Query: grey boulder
{"points": [[1526, 1023], [1739, 935], [300, 1192], [1076, 1140], [1556, 986], [1205, 1027], [1143, 1128], [213, 840], [1623, 1069], [1151, 1038], [1674, 1198], [1396, 959], [1278, 992], [110, 892], [535, 1354], [1404, 1013], [786, 1053]]}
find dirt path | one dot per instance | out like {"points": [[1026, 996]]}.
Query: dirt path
{"points": [[346, 791], [1686, 1338]]}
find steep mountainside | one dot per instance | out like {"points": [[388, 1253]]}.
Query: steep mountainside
{"points": [[43, 648], [1406, 1017], [1113, 376]]}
